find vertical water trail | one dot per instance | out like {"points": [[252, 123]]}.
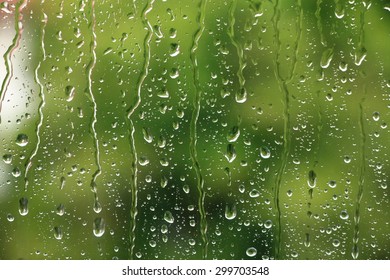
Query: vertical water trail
{"points": [[283, 83], [43, 100], [355, 249], [319, 23], [143, 75], [90, 69], [8, 54], [241, 95], [193, 128]]}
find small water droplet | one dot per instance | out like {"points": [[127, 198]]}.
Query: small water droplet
{"points": [[230, 212], [268, 224], [58, 233], [265, 152], [168, 217], [22, 140], [230, 153], [23, 206], [99, 227], [344, 215], [326, 58], [233, 134], [332, 184], [175, 50], [10, 218], [70, 92], [376, 116], [254, 193], [312, 180], [360, 55], [251, 252], [7, 158], [16, 172], [60, 210], [336, 243]]}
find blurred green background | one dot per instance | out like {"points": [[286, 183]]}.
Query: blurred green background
{"points": [[167, 129]]}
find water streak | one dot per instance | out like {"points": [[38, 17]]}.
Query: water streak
{"points": [[241, 95], [143, 75], [319, 23], [11, 49], [283, 82], [90, 69], [194, 120], [43, 101]]}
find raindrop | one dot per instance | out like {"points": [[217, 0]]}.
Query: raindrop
{"points": [[98, 227], [230, 212], [7, 158], [332, 184], [268, 224], [254, 193], [60, 210], [58, 233], [312, 180], [230, 153], [168, 217], [326, 58], [22, 140], [265, 152], [10, 218], [376, 116], [251, 252], [70, 93], [344, 215], [23, 206], [233, 134], [175, 50], [336, 243]]}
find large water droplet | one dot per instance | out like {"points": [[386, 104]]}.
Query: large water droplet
{"points": [[265, 152], [230, 153], [326, 58], [312, 180], [99, 227], [233, 134], [58, 233], [344, 215], [7, 158], [251, 252], [168, 217], [23, 206], [230, 212], [70, 93], [22, 140]]}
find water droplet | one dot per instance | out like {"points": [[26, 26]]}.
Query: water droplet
{"points": [[251, 252], [233, 134], [326, 58], [347, 159], [268, 224], [186, 189], [376, 116], [7, 158], [97, 207], [336, 243], [254, 193], [344, 215], [58, 233], [289, 193], [143, 161], [70, 93], [175, 50], [360, 55], [22, 140], [265, 152], [99, 227], [230, 212], [230, 153], [60, 210], [23, 206], [332, 184], [16, 172], [147, 136], [168, 217], [10, 218], [312, 180]]}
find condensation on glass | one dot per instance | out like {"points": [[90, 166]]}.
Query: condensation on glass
{"points": [[161, 129]]}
